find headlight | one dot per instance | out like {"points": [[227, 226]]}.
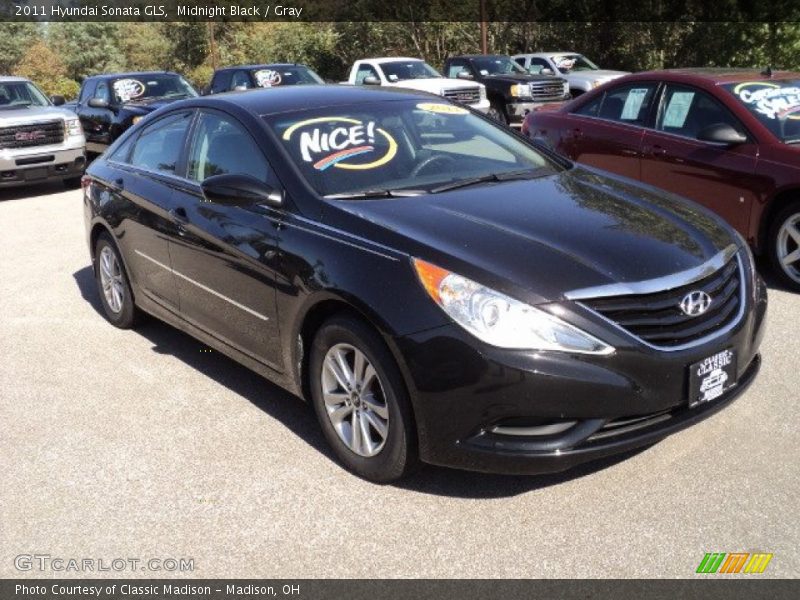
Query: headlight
{"points": [[499, 320], [483, 92], [136, 119], [596, 84], [73, 127], [520, 90], [566, 88]]}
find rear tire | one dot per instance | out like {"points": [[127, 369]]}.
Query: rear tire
{"points": [[783, 241], [113, 285], [361, 402]]}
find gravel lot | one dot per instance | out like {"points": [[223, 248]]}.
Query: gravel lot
{"points": [[119, 444]]}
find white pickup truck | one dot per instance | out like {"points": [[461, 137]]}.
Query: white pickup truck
{"points": [[39, 140], [416, 74]]}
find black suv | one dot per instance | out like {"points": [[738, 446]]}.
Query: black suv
{"points": [[246, 77], [110, 103], [512, 91]]}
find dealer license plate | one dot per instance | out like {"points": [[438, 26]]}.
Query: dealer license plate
{"points": [[712, 377]]}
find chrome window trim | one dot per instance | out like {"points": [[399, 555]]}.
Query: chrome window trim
{"points": [[699, 342]]}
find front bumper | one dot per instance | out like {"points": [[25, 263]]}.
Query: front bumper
{"points": [[516, 111], [635, 397], [42, 163]]}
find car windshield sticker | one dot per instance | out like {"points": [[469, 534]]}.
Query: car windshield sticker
{"points": [[565, 63], [442, 109], [267, 78], [678, 108], [633, 104], [770, 99], [128, 89], [335, 141]]}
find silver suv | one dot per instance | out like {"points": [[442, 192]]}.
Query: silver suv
{"points": [[39, 141]]}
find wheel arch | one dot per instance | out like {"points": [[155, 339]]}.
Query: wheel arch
{"points": [[774, 206]]}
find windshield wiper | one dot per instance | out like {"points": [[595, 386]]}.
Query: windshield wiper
{"points": [[375, 194], [494, 177]]}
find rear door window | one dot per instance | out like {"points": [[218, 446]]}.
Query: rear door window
{"points": [[630, 104]]}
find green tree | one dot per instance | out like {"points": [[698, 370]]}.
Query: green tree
{"points": [[44, 67], [15, 37], [87, 48]]}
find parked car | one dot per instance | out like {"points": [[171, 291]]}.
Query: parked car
{"points": [[39, 139], [416, 74], [437, 287], [109, 104], [725, 138], [247, 77], [581, 73], [512, 91]]}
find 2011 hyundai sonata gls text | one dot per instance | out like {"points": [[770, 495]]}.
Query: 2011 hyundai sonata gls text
{"points": [[435, 286]]}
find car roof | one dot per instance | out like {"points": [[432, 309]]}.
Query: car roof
{"points": [[715, 75], [547, 54], [283, 99], [12, 78], [131, 74], [261, 66], [479, 56], [386, 59]]}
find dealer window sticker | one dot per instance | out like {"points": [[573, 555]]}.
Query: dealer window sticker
{"points": [[633, 104], [128, 89], [266, 78], [770, 99], [442, 109], [678, 109], [325, 146]]}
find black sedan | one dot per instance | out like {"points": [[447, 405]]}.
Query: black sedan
{"points": [[438, 288]]}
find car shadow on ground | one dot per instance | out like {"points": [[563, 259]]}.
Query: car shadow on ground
{"points": [[298, 416], [765, 270], [29, 191]]}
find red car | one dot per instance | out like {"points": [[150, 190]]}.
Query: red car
{"points": [[726, 138]]}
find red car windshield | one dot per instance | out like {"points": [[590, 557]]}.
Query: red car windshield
{"points": [[775, 103]]}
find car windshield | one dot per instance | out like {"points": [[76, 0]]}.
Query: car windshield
{"points": [[402, 70], [275, 75], [568, 63], [20, 94], [497, 65], [776, 103], [150, 86], [401, 148]]}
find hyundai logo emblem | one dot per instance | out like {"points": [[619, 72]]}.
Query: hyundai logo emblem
{"points": [[695, 303]]}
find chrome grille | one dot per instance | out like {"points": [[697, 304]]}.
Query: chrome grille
{"points": [[33, 134], [463, 95], [658, 319], [547, 90]]}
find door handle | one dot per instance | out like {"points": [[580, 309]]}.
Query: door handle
{"points": [[577, 133], [180, 218], [658, 151]]}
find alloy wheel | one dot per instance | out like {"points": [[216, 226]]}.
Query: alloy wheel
{"points": [[354, 400], [111, 280], [788, 247]]}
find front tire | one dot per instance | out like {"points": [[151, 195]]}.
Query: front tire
{"points": [[361, 402], [784, 245], [113, 285]]}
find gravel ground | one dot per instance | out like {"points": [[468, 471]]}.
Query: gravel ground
{"points": [[140, 444]]}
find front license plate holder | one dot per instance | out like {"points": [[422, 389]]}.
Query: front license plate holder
{"points": [[35, 174], [712, 377]]}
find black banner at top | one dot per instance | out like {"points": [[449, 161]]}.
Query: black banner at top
{"points": [[408, 10]]}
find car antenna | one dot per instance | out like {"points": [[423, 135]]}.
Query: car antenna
{"points": [[767, 72]]}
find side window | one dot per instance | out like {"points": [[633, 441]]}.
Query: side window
{"points": [[221, 82], [520, 60], [364, 71], [455, 67], [87, 90], [628, 104], [159, 147], [101, 91], [686, 111], [592, 108], [241, 80], [222, 146], [537, 64]]}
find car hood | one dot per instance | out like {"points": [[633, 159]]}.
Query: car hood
{"points": [[599, 75], [540, 239], [148, 105], [521, 78], [19, 116], [436, 85]]}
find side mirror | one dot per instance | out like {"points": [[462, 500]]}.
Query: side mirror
{"points": [[722, 134], [98, 103], [546, 71], [57, 100], [464, 75], [371, 80], [239, 190]]}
